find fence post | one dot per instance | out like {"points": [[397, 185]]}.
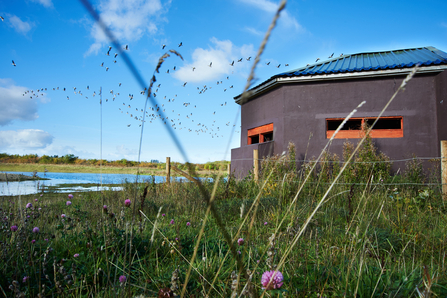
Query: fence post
{"points": [[256, 163], [229, 169], [168, 170], [444, 168]]}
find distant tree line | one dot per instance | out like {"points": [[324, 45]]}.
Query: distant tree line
{"points": [[72, 159]]}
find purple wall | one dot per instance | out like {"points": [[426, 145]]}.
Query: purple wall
{"points": [[298, 112]]}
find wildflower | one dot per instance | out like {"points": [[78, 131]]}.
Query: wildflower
{"points": [[35, 200], [172, 222], [104, 207], [127, 203], [272, 280], [188, 223], [63, 215], [239, 252], [76, 255], [33, 241], [41, 195], [46, 239], [122, 279], [36, 230], [265, 223], [240, 241], [70, 196], [39, 209], [29, 205], [163, 215], [25, 279], [68, 203], [14, 228]]}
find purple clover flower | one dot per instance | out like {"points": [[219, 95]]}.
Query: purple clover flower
{"points": [[122, 279], [36, 230], [240, 241], [127, 204], [272, 280], [70, 196], [29, 205], [68, 203], [14, 228]]}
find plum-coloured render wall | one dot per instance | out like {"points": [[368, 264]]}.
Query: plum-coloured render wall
{"points": [[299, 111]]}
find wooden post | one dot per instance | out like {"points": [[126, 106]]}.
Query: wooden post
{"points": [[256, 164], [229, 170], [444, 168], [168, 170]]}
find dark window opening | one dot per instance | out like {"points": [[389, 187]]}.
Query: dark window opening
{"points": [[385, 123], [268, 136], [351, 124], [254, 139]]}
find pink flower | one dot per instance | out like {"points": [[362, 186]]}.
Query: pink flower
{"points": [[122, 279], [188, 223], [272, 280], [163, 215], [25, 279], [33, 241], [68, 203], [171, 222], [29, 205], [14, 228], [36, 230], [127, 204], [70, 196], [104, 207], [39, 209], [240, 241], [35, 200], [76, 255], [265, 223], [63, 215], [41, 195]]}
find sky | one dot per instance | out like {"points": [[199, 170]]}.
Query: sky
{"points": [[55, 60]]}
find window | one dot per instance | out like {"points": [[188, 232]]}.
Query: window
{"points": [[386, 127], [260, 134]]}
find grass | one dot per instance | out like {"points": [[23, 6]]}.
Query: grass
{"points": [[382, 239]]}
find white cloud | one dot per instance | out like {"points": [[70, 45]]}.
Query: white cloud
{"points": [[129, 20], [271, 7], [221, 54], [19, 25], [15, 104], [46, 3], [25, 139]]}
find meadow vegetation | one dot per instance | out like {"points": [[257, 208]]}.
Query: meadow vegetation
{"points": [[375, 235]]}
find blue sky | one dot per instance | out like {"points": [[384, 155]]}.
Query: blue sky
{"points": [[56, 44]]}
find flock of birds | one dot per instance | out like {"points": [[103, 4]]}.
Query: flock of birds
{"points": [[178, 119]]}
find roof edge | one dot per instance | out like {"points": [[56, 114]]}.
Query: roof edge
{"points": [[276, 80]]}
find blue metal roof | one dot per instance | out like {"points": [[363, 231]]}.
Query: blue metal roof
{"points": [[372, 61]]}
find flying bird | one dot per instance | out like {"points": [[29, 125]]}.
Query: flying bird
{"points": [[331, 56], [13, 63], [248, 59], [180, 44], [116, 54], [102, 64], [240, 60], [232, 63], [3, 19], [268, 63], [279, 65], [163, 47], [317, 59], [193, 68], [185, 84], [211, 63]]}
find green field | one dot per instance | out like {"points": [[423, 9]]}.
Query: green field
{"points": [[368, 234]]}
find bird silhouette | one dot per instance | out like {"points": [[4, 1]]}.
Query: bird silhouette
{"points": [[317, 59], [163, 47], [268, 63], [126, 47], [185, 84], [232, 63], [13, 63], [331, 56], [248, 59], [180, 44], [240, 60], [3, 19], [211, 63]]}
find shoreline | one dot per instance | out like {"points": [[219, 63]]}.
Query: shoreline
{"points": [[8, 177], [64, 168]]}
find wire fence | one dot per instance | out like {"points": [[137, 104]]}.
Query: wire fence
{"points": [[360, 162]]}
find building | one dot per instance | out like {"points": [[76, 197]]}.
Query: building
{"points": [[306, 105]]}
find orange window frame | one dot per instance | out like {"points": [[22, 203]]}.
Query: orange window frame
{"points": [[358, 133], [259, 131]]}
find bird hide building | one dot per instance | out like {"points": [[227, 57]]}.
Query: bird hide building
{"points": [[305, 106]]}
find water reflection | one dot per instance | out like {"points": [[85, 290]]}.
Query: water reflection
{"points": [[57, 179]]}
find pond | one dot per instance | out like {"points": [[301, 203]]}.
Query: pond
{"points": [[74, 180]]}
